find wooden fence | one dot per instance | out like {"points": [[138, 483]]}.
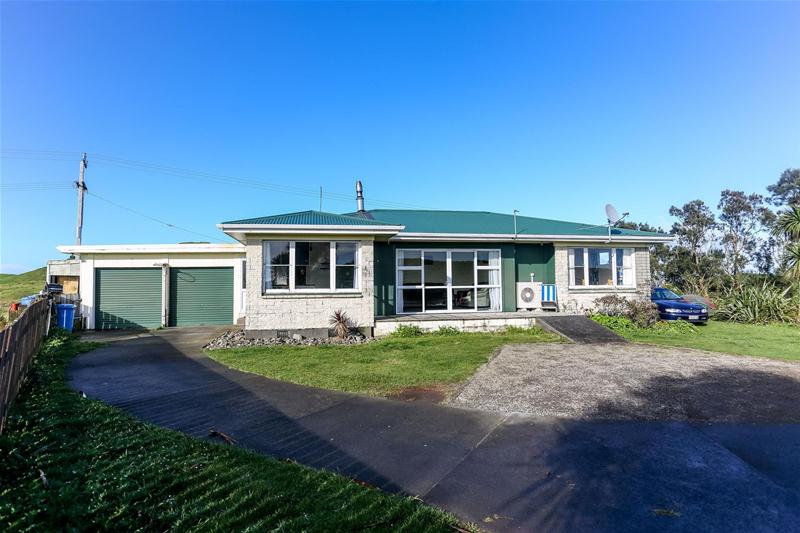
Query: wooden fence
{"points": [[19, 342]]}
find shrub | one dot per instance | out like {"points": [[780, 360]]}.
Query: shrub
{"points": [[625, 326], [756, 304], [341, 323], [640, 312], [404, 330], [619, 324], [447, 331]]}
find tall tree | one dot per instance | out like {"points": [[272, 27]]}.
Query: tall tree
{"points": [[659, 252], [787, 190], [741, 217], [771, 246], [693, 263]]}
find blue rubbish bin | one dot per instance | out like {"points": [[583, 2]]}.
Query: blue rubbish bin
{"points": [[65, 316]]}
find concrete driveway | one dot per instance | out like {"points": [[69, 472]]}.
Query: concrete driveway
{"points": [[501, 471]]}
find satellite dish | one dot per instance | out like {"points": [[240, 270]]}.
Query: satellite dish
{"points": [[611, 214]]}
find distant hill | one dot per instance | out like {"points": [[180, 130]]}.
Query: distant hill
{"points": [[15, 286]]}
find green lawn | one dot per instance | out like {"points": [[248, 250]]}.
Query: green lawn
{"points": [[382, 367], [73, 464], [778, 341]]}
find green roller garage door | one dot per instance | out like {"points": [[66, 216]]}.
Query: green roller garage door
{"points": [[127, 298], [200, 296]]}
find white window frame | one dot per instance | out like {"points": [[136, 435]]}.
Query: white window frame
{"points": [[448, 286], [293, 265], [631, 252]]}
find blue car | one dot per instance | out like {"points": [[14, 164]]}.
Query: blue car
{"points": [[673, 307]]}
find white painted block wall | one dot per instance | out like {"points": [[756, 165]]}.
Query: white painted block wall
{"points": [[582, 299], [307, 310]]}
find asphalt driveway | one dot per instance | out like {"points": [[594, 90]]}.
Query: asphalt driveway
{"points": [[501, 471], [635, 382]]}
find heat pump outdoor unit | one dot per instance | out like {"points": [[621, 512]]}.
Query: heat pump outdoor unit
{"points": [[529, 295]]}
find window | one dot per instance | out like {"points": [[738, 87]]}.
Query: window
{"points": [[601, 267], [310, 266], [276, 265], [448, 280], [346, 265]]}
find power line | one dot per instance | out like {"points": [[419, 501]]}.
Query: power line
{"points": [[237, 180], [154, 219], [36, 185], [143, 166]]}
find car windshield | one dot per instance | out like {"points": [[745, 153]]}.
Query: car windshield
{"points": [[664, 294]]}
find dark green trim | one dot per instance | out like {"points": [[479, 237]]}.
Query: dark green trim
{"points": [[538, 259]]}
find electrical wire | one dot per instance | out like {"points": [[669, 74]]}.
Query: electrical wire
{"points": [[154, 219], [58, 155], [37, 185]]}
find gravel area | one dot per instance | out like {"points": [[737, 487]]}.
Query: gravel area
{"points": [[634, 382], [237, 339]]}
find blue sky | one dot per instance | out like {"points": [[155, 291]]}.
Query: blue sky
{"points": [[551, 109]]}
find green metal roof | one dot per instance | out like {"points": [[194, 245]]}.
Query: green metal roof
{"points": [[484, 222], [312, 218], [428, 221]]}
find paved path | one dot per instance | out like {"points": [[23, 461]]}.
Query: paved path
{"points": [[503, 472], [579, 329]]}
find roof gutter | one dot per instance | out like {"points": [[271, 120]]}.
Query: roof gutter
{"points": [[508, 237]]}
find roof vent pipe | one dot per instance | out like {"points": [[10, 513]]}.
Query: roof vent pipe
{"points": [[360, 196]]}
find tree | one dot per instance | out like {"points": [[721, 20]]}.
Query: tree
{"points": [[741, 218], [770, 250], [659, 252], [788, 225], [693, 263], [695, 227], [787, 190]]}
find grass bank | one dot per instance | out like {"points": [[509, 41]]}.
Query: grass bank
{"points": [[381, 368], [72, 464], [776, 341], [15, 286]]}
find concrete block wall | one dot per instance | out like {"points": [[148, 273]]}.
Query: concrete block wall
{"points": [[306, 313], [579, 300]]}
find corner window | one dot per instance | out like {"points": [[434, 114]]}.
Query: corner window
{"points": [[310, 266], [601, 267]]}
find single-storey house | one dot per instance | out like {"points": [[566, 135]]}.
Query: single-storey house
{"points": [[288, 273]]}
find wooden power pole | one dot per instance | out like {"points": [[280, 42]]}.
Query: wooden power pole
{"points": [[81, 193]]}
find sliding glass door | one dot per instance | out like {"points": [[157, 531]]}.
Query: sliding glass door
{"points": [[435, 280]]}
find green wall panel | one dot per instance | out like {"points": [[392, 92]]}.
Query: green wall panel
{"points": [[199, 296], [538, 259], [127, 298]]}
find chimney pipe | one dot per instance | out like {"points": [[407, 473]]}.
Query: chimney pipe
{"points": [[360, 196]]}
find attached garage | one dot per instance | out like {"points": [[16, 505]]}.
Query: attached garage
{"points": [[200, 296], [127, 286], [127, 298]]}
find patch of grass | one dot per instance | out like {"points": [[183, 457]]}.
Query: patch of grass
{"points": [[380, 368], [776, 341], [73, 464], [15, 286]]}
